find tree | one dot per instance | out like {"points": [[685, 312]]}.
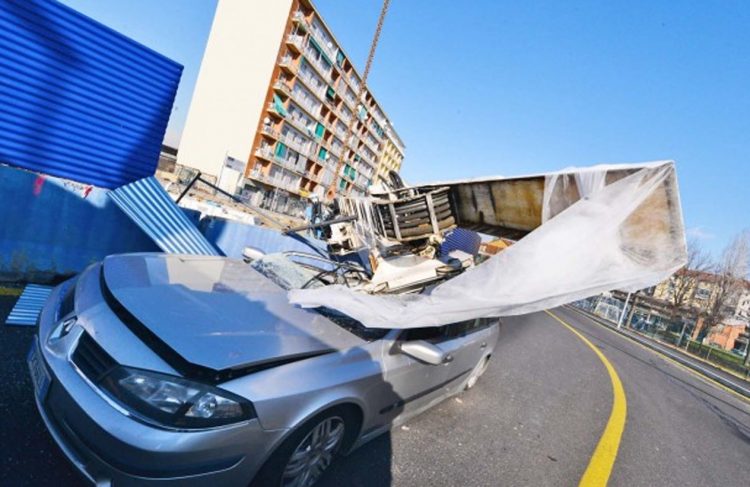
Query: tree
{"points": [[730, 274], [683, 283]]}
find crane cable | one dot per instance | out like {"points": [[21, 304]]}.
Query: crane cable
{"points": [[331, 192]]}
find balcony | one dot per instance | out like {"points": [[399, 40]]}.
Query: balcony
{"points": [[294, 43], [354, 83], [296, 146], [372, 145], [346, 117], [299, 18], [351, 102], [269, 130], [287, 64], [281, 88], [289, 166], [276, 181], [374, 130], [366, 159], [330, 51], [317, 65], [264, 153], [311, 108], [299, 123], [307, 79], [340, 131], [276, 109]]}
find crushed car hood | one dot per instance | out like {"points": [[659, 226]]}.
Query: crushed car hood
{"points": [[214, 313]]}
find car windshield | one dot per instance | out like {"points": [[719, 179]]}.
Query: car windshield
{"points": [[308, 272]]}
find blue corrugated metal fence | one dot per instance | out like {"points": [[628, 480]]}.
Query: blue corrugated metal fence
{"points": [[29, 305], [151, 208], [77, 99]]}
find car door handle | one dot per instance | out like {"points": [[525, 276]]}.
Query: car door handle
{"points": [[483, 345]]}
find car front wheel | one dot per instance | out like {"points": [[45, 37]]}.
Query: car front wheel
{"points": [[307, 453]]}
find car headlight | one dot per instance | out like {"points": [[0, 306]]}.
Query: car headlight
{"points": [[173, 401]]}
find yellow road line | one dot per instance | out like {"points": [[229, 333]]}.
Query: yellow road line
{"points": [[603, 460], [697, 375], [10, 291]]}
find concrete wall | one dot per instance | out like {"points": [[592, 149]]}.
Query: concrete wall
{"points": [[51, 227], [232, 82]]}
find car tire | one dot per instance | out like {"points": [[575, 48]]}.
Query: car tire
{"points": [[479, 369], [272, 474]]}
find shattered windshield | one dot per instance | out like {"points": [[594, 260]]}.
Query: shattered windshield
{"points": [[286, 273], [289, 274]]}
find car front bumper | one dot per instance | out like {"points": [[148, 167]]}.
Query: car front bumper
{"points": [[109, 447]]}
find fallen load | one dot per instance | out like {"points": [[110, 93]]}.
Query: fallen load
{"points": [[579, 232]]}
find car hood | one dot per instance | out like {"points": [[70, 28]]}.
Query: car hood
{"points": [[214, 313]]}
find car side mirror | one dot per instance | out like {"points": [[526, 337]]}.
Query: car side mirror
{"points": [[425, 352]]}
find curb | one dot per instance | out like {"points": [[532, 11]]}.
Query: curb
{"points": [[677, 358]]}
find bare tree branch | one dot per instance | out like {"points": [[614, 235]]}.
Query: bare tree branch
{"points": [[684, 281], [730, 274]]}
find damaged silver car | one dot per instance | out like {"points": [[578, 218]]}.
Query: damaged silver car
{"points": [[191, 370]]}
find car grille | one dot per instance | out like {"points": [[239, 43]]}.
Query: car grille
{"points": [[91, 359]]}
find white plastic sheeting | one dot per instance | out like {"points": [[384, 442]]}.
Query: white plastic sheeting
{"points": [[621, 232]]}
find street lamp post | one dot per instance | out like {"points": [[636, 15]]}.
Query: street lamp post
{"points": [[622, 315]]}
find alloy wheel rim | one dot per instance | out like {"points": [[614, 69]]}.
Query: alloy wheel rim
{"points": [[314, 453]]}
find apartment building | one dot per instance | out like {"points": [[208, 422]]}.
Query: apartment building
{"points": [[277, 90]]}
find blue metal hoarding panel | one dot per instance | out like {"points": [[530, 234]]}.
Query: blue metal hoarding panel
{"points": [[77, 99], [52, 227], [151, 208], [29, 305]]}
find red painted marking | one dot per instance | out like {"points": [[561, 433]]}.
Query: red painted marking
{"points": [[38, 183]]}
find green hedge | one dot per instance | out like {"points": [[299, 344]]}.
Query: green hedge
{"points": [[718, 356]]}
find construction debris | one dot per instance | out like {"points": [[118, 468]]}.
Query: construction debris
{"points": [[581, 232]]}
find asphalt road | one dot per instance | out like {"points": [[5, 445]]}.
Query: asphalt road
{"points": [[533, 420]]}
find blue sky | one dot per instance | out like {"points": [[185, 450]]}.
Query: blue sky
{"points": [[495, 87]]}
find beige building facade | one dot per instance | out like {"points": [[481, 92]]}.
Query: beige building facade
{"points": [[277, 90], [391, 157]]}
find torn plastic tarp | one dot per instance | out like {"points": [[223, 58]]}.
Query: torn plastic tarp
{"points": [[623, 230]]}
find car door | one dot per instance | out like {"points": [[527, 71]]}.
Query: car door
{"points": [[412, 384], [467, 342]]}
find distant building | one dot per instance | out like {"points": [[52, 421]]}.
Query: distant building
{"points": [[726, 334], [699, 299], [391, 157], [277, 91]]}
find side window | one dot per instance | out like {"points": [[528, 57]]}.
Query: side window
{"points": [[437, 334], [431, 334], [463, 328]]}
